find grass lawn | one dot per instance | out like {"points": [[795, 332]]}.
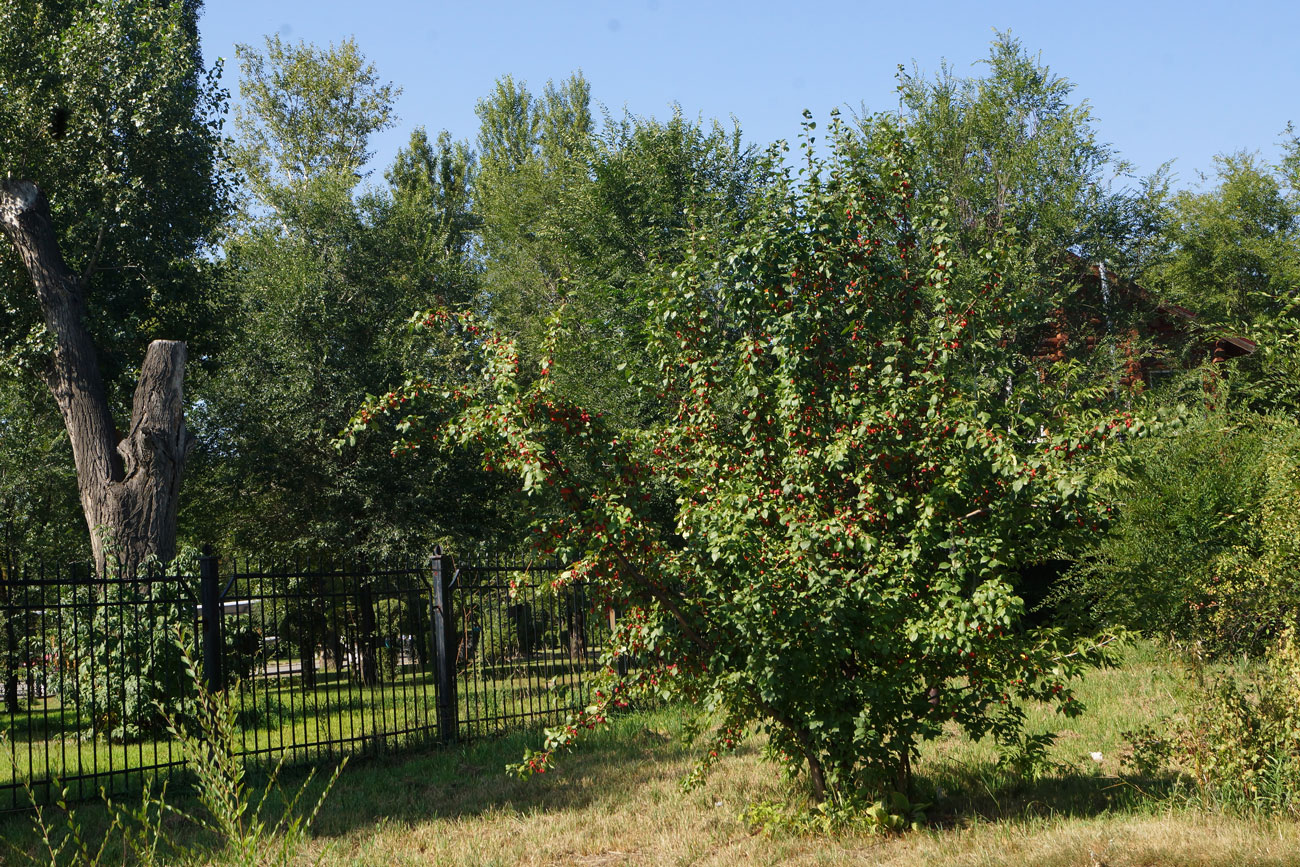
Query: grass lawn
{"points": [[617, 801], [337, 717]]}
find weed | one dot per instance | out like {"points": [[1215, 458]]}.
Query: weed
{"points": [[892, 814], [232, 811]]}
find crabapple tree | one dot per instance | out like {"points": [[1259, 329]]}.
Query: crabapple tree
{"points": [[853, 486]]}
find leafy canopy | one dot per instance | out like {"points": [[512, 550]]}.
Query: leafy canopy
{"points": [[1233, 251], [109, 111], [308, 116], [1012, 148], [579, 215], [322, 276]]}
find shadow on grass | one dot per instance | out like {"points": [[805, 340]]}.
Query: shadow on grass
{"points": [[986, 792], [422, 784], [646, 748], [472, 780], [637, 751]]}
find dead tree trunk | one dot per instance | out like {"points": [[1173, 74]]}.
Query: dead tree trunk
{"points": [[129, 484]]}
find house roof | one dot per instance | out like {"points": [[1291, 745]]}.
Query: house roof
{"points": [[1243, 345]]}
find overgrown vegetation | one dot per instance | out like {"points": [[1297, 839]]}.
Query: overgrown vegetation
{"points": [[1204, 551], [1238, 744], [619, 798], [854, 491], [808, 426]]}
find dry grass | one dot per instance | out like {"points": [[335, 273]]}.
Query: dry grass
{"points": [[617, 802]]}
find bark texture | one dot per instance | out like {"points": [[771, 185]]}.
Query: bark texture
{"points": [[129, 485]]}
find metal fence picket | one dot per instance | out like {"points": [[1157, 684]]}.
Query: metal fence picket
{"points": [[322, 660]]}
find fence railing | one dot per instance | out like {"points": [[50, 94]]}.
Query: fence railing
{"points": [[322, 660]]}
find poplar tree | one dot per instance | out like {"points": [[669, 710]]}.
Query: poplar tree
{"points": [[109, 195], [323, 268]]}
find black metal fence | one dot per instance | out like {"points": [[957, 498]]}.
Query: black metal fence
{"points": [[323, 659]]}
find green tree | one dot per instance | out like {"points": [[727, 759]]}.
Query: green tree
{"points": [[1232, 255], [305, 124], [653, 183], [1291, 158], [39, 515], [575, 216], [322, 274], [1234, 249], [1275, 366], [853, 491], [1013, 149], [530, 149], [108, 147], [428, 204]]}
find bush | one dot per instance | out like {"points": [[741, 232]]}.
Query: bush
{"points": [[853, 490], [892, 814], [1240, 745], [130, 673], [245, 649], [1252, 594], [1207, 542]]}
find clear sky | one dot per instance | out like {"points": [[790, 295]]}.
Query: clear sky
{"points": [[1166, 80]]}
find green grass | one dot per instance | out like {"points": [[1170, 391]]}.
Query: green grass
{"points": [[617, 801], [337, 717], [1145, 687]]}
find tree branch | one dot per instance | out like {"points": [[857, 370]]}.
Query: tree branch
{"points": [[94, 255], [667, 602]]}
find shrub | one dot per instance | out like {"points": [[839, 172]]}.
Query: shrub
{"points": [[510, 629], [130, 673], [1240, 745], [245, 649], [853, 488], [1207, 542], [232, 810], [1252, 595], [892, 814]]}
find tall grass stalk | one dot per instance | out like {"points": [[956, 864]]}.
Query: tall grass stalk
{"points": [[232, 811]]}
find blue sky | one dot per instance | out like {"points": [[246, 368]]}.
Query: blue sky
{"points": [[1166, 80]]}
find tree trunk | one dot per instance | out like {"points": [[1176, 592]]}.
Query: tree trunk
{"points": [[368, 643], [903, 783], [577, 616], [129, 485], [818, 776], [307, 661]]}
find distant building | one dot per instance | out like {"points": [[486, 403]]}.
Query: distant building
{"points": [[1151, 338]]}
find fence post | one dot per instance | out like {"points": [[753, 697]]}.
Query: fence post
{"points": [[444, 645], [210, 598]]}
